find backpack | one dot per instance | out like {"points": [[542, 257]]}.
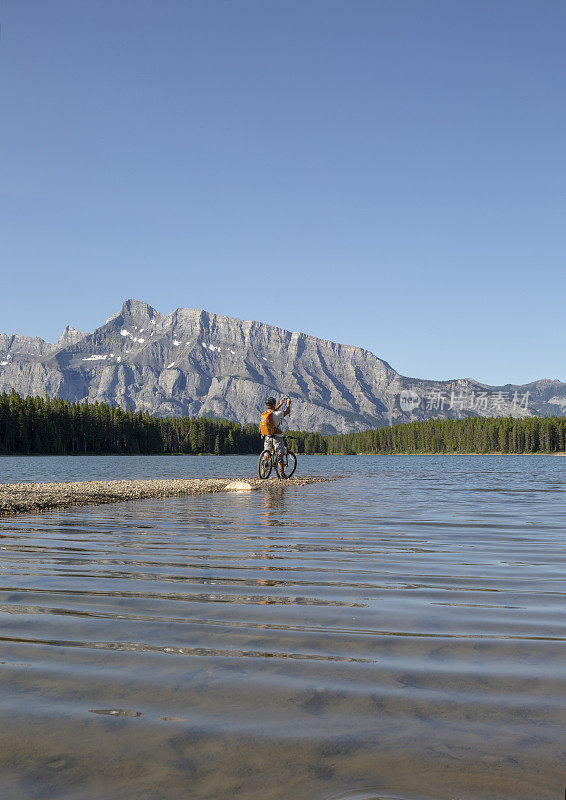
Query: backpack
{"points": [[266, 426]]}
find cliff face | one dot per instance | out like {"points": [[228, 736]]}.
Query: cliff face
{"points": [[194, 362]]}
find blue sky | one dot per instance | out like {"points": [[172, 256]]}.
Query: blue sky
{"points": [[385, 174]]}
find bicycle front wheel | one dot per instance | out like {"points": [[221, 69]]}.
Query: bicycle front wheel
{"points": [[289, 465], [264, 465]]}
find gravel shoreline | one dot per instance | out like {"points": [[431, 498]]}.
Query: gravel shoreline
{"points": [[22, 498]]}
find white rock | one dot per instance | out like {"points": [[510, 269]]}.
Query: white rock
{"points": [[239, 486]]}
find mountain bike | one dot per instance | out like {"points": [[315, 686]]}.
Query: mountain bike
{"points": [[267, 461]]}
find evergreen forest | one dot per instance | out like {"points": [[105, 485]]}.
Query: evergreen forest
{"points": [[39, 426]]}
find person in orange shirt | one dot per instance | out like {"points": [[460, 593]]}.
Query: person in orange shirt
{"points": [[273, 418]]}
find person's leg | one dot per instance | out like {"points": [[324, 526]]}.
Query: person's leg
{"points": [[279, 454], [271, 445]]}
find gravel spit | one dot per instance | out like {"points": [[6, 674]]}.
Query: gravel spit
{"points": [[22, 498]]}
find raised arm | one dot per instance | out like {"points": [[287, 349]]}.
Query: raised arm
{"points": [[283, 401]]}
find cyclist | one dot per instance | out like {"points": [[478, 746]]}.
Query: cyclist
{"points": [[270, 427]]}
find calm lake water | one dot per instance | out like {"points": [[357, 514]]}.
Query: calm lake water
{"points": [[399, 633]]}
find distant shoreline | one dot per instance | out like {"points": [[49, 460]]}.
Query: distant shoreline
{"points": [[558, 453], [239, 455]]}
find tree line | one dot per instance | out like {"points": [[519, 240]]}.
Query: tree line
{"points": [[469, 435], [51, 426]]}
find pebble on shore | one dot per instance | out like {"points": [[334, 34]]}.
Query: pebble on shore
{"points": [[21, 498]]}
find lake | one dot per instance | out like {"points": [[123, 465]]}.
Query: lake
{"points": [[399, 633]]}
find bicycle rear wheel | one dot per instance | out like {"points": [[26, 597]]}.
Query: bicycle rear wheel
{"points": [[264, 464], [289, 465]]}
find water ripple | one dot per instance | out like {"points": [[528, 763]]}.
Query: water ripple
{"points": [[398, 635]]}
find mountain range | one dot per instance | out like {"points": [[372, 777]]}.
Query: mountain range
{"points": [[198, 363]]}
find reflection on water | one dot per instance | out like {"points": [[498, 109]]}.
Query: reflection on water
{"points": [[397, 635]]}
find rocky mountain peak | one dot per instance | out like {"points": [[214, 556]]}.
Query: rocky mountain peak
{"points": [[199, 363], [70, 336], [139, 310]]}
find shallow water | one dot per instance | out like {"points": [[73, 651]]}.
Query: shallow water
{"points": [[398, 634]]}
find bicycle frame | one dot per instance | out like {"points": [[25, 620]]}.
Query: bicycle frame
{"points": [[268, 460]]}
